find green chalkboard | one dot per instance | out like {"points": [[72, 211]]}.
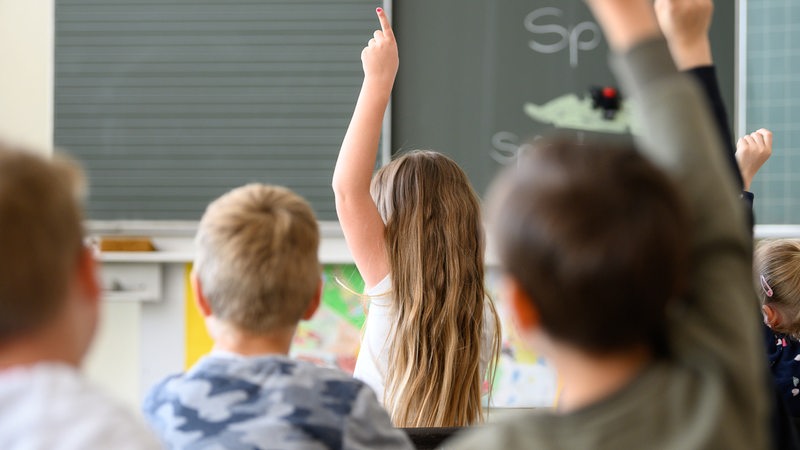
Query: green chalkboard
{"points": [[478, 78], [170, 103], [772, 29]]}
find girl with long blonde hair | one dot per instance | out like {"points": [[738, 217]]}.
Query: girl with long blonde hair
{"points": [[416, 236]]}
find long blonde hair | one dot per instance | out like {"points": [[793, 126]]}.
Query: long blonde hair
{"points": [[435, 243]]}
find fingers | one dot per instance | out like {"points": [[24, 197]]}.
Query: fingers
{"points": [[761, 138], [379, 59], [767, 136], [752, 139], [758, 138], [385, 32], [746, 143], [752, 151], [760, 141], [386, 27]]}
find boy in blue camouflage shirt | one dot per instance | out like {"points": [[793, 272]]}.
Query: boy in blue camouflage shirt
{"points": [[256, 275]]}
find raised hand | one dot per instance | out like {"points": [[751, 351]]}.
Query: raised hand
{"points": [[752, 151], [361, 223], [625, 22], [379, 58], [685, 24]]}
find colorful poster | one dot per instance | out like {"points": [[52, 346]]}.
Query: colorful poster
{"points": [[332, 336]]}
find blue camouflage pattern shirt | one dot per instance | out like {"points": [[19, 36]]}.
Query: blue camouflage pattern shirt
{"points": [[228, 401]]}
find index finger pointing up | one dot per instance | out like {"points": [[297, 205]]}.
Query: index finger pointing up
{"points": [[385, 25]]}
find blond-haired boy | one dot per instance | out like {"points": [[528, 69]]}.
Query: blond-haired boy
{"points": [[256, 275]]}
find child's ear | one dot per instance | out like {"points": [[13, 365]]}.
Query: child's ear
{"points": [[771, 316], [88, 277], [200, 298], [526, 316], [313, 305]]}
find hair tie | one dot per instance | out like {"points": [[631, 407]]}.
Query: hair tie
{"points": [[766, 287]]}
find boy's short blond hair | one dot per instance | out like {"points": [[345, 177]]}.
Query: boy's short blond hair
{"points": [[41, 236], [257, 257]]}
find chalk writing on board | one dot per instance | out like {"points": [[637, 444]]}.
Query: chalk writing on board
{"points": [[584, 36], [568, 112], [506, 147]]}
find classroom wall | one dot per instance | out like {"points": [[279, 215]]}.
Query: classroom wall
{"points": [[26, 78], [114, 361]]}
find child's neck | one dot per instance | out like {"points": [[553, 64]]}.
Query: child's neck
{"points": [[28, 353], [50, 343], [230, 339], [587, 379]]}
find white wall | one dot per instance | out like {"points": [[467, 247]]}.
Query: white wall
{"points": [[26, 119], [115, 358], [26, 73]]}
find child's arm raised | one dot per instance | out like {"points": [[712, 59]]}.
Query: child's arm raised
{"points": [[686, 25], [678, 136], [716, 329], [362, 225]]}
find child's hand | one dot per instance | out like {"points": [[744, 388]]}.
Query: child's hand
{"points": [[752, 151], [685, 24], [379, 58], [625, 23], [684, 20]]}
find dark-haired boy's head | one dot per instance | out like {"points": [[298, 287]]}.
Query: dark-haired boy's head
{"points": [[596, 238]]}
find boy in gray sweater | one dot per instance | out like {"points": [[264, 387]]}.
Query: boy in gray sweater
{"points": [[635, 282]]}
